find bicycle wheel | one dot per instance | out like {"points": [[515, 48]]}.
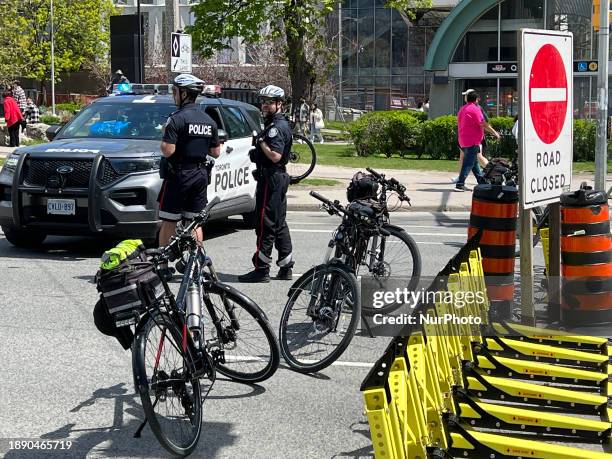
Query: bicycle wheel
{"points": [[539, 220], [302, 159], [320, 318], [247, 343], [171, 397], [397, 256]]}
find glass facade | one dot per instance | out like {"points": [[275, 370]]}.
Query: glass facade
{"points": [[493, 39], [382, 55]]}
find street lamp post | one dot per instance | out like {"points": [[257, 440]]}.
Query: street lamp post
{"points": [[52, 65]]}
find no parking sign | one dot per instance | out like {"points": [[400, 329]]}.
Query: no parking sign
{"points": [[546, 118]]}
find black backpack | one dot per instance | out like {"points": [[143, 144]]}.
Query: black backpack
{"points": [[495, 170], [362, 186]]}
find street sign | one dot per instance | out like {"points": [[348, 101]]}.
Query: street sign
{"points": [[180, 53], [546, 119]]}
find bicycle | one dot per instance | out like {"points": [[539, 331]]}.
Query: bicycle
{"points": [[301, 164], [327, 318], [207, 327]]}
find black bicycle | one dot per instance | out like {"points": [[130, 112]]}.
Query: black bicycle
{"points": [[320, 317], [207, 327], [302, 159]]}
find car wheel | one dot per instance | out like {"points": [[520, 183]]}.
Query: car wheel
{"points": [[26, 238], [250, 219]]}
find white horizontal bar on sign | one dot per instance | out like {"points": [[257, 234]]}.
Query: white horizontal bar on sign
{"points": [[548, 94]]}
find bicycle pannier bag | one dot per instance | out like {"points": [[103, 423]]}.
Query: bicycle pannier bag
{"points": [[495, 170], [362, 186]]}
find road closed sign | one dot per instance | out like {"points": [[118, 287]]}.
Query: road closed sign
{"points": [[546, 117]]}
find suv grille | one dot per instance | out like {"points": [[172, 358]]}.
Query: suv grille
{"points": [[37, 171], [108, 174]]}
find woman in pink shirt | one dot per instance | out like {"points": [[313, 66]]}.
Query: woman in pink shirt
{"points": [[13, 117], [471, 128]]}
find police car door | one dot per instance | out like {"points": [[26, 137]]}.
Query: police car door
{"points": [[232, 177]]}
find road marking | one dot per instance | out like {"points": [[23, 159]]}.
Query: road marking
{"points": [[248, 358], [411, 234], [401, 226]]}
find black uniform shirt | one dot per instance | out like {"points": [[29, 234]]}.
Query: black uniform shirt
{"points": [[193, 132], [279, 138]]}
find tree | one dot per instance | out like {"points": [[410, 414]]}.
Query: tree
{"points": [[81, 36], [299, 24], [411, 11]]}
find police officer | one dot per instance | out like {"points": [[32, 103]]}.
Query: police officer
{"points": [[189, 135], [271, 155]]}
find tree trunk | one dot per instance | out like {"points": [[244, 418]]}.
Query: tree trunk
{"points": [[301, 72]]}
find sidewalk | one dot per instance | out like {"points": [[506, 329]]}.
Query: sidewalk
{"points": [[429, 191]]}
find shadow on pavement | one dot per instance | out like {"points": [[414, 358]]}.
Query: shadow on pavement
{"points": [[361, 428], [117, 440]]}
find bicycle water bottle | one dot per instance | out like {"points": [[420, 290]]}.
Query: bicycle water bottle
{"points": [[193, 313]]}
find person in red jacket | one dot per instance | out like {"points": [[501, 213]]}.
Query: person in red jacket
{"points": [[13, 117]]}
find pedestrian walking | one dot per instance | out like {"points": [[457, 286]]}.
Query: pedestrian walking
{"points": [[271, 151], [31, 113], [118, 78], [19, 95], [316, 123], [13, 117], [303, 115], [482, 160], [471, 129]]}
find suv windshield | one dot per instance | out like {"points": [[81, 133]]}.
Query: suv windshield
{"points": [[128, 120]]}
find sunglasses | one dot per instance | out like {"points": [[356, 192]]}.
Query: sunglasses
{"points": [[268, 102]]}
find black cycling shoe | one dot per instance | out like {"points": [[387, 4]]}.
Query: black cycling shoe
{"points": [[255, 276], [285, 274]]}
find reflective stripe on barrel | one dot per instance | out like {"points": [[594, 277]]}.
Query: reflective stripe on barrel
{"points": [[586, 258], [494, 210]]}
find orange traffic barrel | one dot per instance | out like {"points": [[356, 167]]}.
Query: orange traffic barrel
{"points": [[586, 258], [495, 211]]}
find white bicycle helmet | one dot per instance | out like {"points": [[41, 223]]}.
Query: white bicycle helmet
{"points": [[272, 92], [188, 81]]}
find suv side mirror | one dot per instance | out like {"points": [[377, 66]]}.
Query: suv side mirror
{"points": [[52, 131], [222, 135]]}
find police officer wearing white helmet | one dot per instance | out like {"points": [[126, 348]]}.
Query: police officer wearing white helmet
{"points": [[271, 155], [189, 136]]}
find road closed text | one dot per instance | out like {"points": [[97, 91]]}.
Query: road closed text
{"points": [[554, 181]]}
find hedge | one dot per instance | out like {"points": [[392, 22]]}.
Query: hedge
{"points": [[401, 132]]}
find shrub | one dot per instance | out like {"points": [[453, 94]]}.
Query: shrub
{"points": [[49, 119], [502, 124], [69, 107], [439, 138], [385, 133], [585, 135]]}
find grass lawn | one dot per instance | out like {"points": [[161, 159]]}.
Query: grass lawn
{"points": [[2, 161], [338, 125], [319, 182], [344, 155]]}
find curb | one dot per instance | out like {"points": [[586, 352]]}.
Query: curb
{"points": [[424, 208]]}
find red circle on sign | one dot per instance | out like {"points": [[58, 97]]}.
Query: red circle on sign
{"points": [[548, 93]]}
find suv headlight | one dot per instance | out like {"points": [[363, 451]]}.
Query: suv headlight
{"points": [[8, 170], [128, 166]]}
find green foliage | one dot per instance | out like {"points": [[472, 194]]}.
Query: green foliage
{"points": [[69, 107], [385, 133], [81, 36], [585, 135], [439, 138], [409, 9], [502, 124], [49, 119]]}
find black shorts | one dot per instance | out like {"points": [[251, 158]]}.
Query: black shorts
{"points": [[183, 196]]}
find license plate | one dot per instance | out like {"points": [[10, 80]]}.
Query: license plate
{"points": [[61, 206]]}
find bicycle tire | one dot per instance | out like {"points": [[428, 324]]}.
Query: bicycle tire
{"points": [[415, 276], [173, 336], [252, 321], [297, 174], [345, 288]]}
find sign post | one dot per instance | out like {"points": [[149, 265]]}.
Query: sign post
{"points": [[180, 53], [545, 143]]}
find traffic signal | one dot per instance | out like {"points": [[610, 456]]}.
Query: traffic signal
{"points": [[595, 15]]}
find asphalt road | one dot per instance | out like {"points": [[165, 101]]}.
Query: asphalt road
{"points": [[61, 379]]}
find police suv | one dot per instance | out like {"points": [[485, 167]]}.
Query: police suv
{"points": [[100, 172]]}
